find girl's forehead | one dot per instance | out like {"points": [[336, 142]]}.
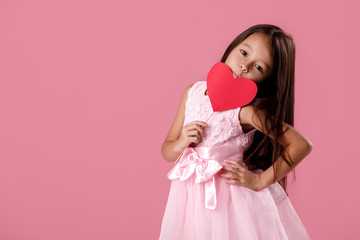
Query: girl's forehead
{"points": [[258, 39]]}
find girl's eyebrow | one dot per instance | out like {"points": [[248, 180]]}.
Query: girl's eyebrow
{"points": [[267, 66], [247, 46]]}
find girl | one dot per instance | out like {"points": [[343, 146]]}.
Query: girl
{"points": [[230, 183]]}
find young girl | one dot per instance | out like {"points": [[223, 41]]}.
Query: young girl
{"points": [[230, 182]]}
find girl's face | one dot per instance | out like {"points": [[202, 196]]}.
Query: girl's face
{"points": [[251, 58]]}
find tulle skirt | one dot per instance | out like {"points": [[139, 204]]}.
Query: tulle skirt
{"points": [[202, 206]]}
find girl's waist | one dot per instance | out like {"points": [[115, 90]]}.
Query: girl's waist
{"points": [[217, 153]]}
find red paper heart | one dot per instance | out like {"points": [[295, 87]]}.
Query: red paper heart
{"points": [[226, 92]]}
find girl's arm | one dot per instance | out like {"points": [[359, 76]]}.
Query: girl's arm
{"points": [[296, 145], [169, 149]]}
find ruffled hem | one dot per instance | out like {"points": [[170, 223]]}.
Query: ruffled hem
{"points": [[241, 213]]}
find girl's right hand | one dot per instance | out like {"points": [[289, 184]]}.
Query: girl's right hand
{"points": [[191, 133]]}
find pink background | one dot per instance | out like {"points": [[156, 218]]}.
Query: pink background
{"points": [[89, 90]]}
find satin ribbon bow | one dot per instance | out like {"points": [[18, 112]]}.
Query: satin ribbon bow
{"points": [[205, 169]]}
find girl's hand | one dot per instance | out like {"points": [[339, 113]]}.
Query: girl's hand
{"points": [[241, 176], [191, 133]]}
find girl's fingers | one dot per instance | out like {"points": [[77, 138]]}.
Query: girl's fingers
{"points": [[194, 133], [230, 175], [238, 166], [197, 123], [236, 163], [195, 139], [199, 129], [228, 168], [201, 123], [196, 128]]}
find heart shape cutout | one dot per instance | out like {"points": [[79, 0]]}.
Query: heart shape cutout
{"points": [[226, 92]]}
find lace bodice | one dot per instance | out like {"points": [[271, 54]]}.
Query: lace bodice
{"points": [[223, 128]]}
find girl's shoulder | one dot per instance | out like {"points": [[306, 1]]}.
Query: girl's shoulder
{"points": [[193, 92], [190, 88], [198, 85], [195, 86]]}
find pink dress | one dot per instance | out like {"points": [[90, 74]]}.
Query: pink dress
{"points": [[202, 206]]}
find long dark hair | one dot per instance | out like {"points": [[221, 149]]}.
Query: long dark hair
{"points": [[275, 97]]}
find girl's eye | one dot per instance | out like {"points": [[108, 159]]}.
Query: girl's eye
{"points": [[260, 68], [244, 52]]}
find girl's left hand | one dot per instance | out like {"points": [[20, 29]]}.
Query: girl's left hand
{"points": [[241, 176]]}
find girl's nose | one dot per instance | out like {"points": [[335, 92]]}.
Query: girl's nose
{"points": [[243, 68]]}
